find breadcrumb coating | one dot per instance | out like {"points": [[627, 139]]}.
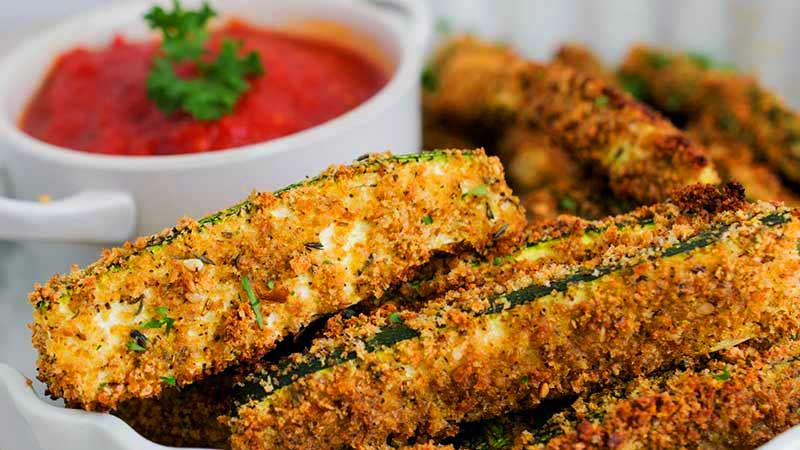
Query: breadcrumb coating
{"points": [[733, 159], [644, 156], [707, 271], [732, 106], [189, 417], [739, 401], [176, 307]]}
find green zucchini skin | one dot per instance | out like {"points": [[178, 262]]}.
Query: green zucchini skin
{"points": [[188, 303], [475, 353]]}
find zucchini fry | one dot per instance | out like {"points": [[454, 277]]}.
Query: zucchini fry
{"points": [[189, 417], [173, 308], [737, 402], [703, 273], [732, 106], [550, 182], [733, 159], [644, 156]]}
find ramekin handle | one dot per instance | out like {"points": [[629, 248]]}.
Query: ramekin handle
{"points": [[86, 217]]}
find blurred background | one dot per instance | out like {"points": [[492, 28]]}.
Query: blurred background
{"points": [[760, 36]]}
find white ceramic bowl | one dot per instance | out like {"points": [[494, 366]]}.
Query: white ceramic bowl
{"points": [[102, 199], [106, 199]]}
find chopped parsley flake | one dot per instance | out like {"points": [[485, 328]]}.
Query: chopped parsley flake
{"points": [[601, 101], [253, 300], [170, 380], [659, 60], [427, 220], [162, 321], [133, 345], [478, 191], [394, 317], [567, 204], [724, 376]]}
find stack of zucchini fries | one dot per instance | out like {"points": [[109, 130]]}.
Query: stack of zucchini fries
{"points": [[408, 302]]}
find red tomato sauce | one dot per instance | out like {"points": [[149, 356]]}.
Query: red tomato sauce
{"points": [[96, 100]]}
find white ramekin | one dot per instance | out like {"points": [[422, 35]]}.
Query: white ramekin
{"points": [[106, 199]]}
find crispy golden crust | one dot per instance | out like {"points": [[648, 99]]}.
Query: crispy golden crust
{"points": [[733, 106], [174, 309], [740, 401], [644, 157], [735, 162], [188, 417], [475, 85], [685, 285], [582, 59]]}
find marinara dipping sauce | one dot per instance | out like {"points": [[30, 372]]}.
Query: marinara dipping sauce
{"points": [[96, 100]]}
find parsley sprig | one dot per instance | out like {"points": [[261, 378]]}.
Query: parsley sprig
{"points": [[219, 81]]}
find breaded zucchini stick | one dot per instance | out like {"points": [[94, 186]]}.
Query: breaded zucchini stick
{"points": [[173, 308], [703, 273], [737, 401], [732, 106], [188, 417], [644, 157], [733, 159], [550, 183]]}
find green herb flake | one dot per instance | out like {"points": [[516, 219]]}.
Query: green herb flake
{"points": [[430, 80], [134, 346], [498, 260], [394, 318], [170, 380], [724, 376], [659, 60], [601, 101], [102, 385], [253, 300], [701, 60], [271, 284], [524, 380], [162, 321], [567, 204], [427, 220], [478, 191], [634, 85], [219, 82]]}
